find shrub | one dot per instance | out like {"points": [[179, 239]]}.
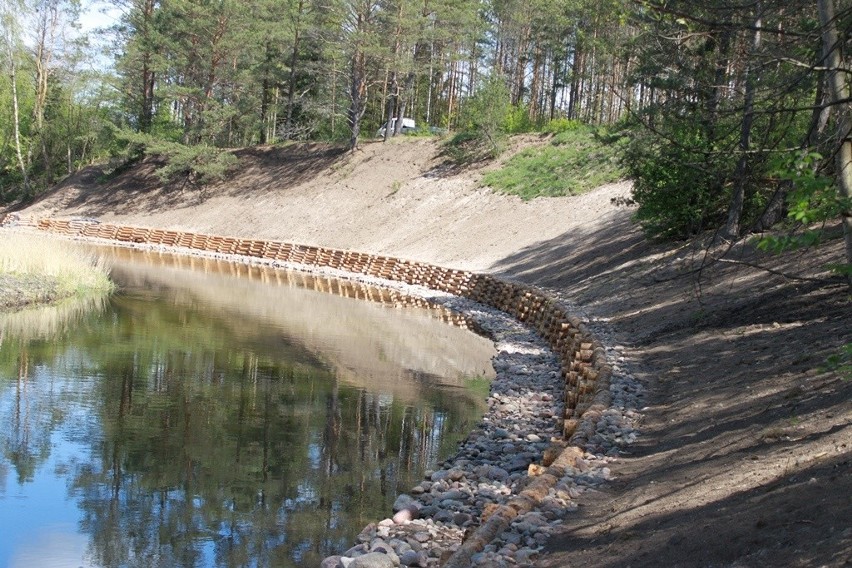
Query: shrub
{"points": [[559, 125], [200, 163], [518, 120], [677, 183], [483, 123]]}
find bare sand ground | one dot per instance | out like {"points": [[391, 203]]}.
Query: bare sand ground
{"points": [[745, 457]]}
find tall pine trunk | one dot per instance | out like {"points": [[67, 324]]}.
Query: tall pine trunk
{"points": [[839, 89], [357, 93], [735, 209], [291, 83]]}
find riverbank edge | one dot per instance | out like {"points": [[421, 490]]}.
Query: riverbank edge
{"points": [[25, 291], [19, 292], [583, 369]]}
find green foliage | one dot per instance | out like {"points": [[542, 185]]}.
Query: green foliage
{"points": [[484, 121], [518, 120], [841, 362], [813, 199], [200, 163], [575, 160], [559, 125], [678, 182]]}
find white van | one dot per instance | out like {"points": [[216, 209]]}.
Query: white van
{"points": [[407, 126]]}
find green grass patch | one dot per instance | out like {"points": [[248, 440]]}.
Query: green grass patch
{"points": [[480, 385], [575, 160]]}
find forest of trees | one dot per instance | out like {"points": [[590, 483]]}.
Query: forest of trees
{"points": [[737, 111]]}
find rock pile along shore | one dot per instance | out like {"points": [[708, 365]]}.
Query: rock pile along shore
{"points": [[499, 459]]}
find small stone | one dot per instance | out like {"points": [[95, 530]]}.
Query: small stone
{"points": [[535, 470], [400, 546], [525, 556], [403, 502], [456, 474], [414, 544], [366, 535], [373, 560], [454, 495], [331, 562], [440, 475], [412, 558], [512, 538], [495, 473], [406, 515], [356, 550]]}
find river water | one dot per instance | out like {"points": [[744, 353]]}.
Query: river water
{"points": [[209, 414]]}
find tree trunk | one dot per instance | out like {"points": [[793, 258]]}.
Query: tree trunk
{"points": [[291, 83], [390, 108], [554, 86], [46, 30], [735, 209], [839, 89], [357, 93], [146, 110], [402, 100], [264, 99], [574, 93], [776, 208], [17, 119]]}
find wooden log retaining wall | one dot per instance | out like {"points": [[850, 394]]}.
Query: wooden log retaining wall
{"points": [[584, 369], [353, 289]]}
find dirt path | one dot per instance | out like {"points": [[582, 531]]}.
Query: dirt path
{"points": [[745, 457]]}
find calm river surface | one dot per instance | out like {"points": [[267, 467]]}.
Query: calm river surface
{"points": [[201, 417]]}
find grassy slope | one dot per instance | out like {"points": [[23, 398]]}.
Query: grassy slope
{"points": [[573, 162]]}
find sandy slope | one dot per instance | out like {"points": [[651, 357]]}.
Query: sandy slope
{"points": [[399, 199], [746, 454]]}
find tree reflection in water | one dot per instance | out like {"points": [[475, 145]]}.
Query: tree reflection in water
{"points": [[204, 442]]}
